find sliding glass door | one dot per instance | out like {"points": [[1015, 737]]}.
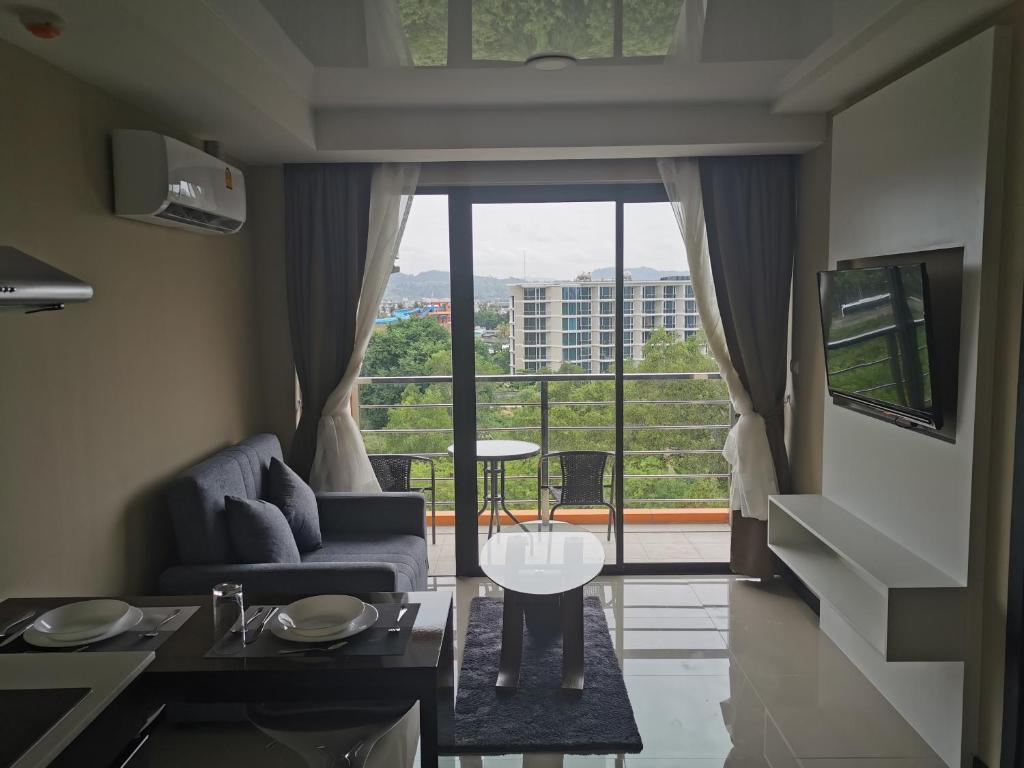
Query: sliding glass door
{"points": [[572, 330]]}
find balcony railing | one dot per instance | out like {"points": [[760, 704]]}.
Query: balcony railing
{"points": [[703, 444]]}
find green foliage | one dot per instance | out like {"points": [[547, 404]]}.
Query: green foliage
{"points": [[648, 26], [581, 416], [426, 29], [488, 317], [513, 30]]}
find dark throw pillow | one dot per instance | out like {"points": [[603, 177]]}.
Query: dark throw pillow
{"points": [[297, 501], [258, 532]]}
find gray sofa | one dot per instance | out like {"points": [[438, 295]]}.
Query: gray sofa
{"points": [[371, 542]]}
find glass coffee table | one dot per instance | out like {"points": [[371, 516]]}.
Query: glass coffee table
{"points": [[543, 567]]}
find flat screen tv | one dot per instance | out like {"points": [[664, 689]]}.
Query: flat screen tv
{"points": [[876, 325]]}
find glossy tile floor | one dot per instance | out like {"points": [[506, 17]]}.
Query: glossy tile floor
{"points": [[721, 672], [644, 543]]}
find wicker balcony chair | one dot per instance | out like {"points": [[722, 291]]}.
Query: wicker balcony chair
{"points": [[394, 473], [582, 481]]}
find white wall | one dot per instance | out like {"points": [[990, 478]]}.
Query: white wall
{"points": [[910, 171]]}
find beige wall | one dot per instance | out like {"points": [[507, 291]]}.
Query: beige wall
{"points": [[1004, 393], [100, 403]]}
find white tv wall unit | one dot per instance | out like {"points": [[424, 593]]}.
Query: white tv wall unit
{"points": [[905, 607]]}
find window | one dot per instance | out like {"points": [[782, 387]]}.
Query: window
{"points": [[627, 292], [576, 339], [627, 340], [690, 306], [648, 307], [670, 321], [607, 367], [690, 334], [688, 291], [650, 291], [627, 322], [607, 338], [535, 309], [648, 321], [587, 367], [668, 307], [607, 323], [606, 308], [607, 292], [647, 336], [574, 354], [627, 307], [669, 291], [576, 323], [535, 324], [534, 353], [533, 365], [535, 339], [575, 293], [607, 353], [535, 294], [690, 321], [575, 307]]}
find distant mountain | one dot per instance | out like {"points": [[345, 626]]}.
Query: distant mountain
{"points": [[436, 283]]}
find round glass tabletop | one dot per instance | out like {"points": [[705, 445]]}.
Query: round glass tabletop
{"points": [[542, 558], [502, 450]]}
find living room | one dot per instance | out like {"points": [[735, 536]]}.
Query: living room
{"points": [[516, 338]]}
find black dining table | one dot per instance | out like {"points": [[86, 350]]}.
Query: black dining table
{"points": [[184, 671]]}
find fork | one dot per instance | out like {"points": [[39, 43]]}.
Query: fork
{"points": [[313, 649]]}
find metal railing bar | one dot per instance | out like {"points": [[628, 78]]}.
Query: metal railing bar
{"points": [[689, 476], [370, 406], [538, 377], [666, 452], [607, 428]]}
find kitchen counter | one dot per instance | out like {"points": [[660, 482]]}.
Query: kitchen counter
{"points": [[106, 675]]}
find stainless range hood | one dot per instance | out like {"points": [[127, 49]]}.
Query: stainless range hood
{"points": [[33, 285]]}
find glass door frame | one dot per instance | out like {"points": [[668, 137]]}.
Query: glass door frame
{"points": [[461, 200]]}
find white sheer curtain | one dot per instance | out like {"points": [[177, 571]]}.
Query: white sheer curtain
{"points": [[746, 447], [340, 463], [386, 45]]}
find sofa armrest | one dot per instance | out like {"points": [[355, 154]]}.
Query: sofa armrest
{"points": [[282, 578], [402, 513]]}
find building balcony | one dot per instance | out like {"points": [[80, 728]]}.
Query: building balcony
{"points": [[676, 483]]}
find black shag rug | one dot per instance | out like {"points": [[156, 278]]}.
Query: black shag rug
{"points": [[539, 716]]}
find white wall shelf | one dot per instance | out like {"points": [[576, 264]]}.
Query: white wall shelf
{"points": [[905, 607]]}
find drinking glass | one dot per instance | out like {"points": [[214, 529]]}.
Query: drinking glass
{"points": [[228, 610]]}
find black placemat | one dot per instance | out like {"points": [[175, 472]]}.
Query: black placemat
{"points": [[375, 641], [26, 715], [126, 641]]}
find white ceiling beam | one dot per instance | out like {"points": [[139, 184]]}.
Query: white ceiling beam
{"points": [[899, 32], [566, 133]]}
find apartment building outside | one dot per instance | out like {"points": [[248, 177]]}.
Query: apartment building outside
{"points": [[573, 321]]}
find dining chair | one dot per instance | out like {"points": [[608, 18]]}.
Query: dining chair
{"points": [[394, 473], [583, 483]]}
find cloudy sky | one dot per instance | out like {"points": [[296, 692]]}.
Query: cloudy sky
{"points": [[554, 240]]}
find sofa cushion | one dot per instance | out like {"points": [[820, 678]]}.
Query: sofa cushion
{"points": [[259, 532], [408, 553], [290, 493], [195, 499]]}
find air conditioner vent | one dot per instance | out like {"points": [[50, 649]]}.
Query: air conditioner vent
{"points": [[182, 214]]}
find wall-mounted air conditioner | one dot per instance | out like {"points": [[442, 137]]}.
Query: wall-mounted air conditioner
{"points": [[165, 181]]}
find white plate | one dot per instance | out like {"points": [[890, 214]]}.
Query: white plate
{"points": [[364, 621], [35, 637], [77, 621], [320, 615]]}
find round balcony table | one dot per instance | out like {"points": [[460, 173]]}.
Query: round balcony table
{"points": [[543, 567], [493, 454]]}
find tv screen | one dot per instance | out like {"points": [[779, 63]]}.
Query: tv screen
{"points": [[875, 324]]}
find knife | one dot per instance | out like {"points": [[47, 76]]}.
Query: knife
{"points": [[245, 621]]}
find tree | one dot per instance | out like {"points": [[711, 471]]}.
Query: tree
{"points": [[488, 317]]}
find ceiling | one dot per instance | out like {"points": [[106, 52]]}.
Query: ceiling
{"points": [[431, 80]]}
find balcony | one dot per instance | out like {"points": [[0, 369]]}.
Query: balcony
{"points": [[676, 483]]}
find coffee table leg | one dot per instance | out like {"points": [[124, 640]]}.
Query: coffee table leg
{"points": [[511, 641], [572, 639]]}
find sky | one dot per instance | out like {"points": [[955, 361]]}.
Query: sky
{"points": [[555, 240]]}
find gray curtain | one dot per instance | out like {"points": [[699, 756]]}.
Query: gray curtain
{"points": [[750, 212], [327, 211]]}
